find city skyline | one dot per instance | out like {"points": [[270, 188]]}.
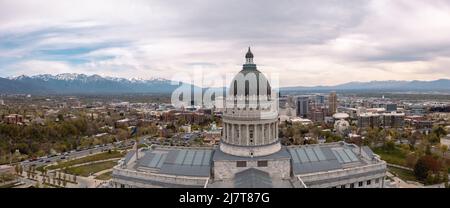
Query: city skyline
{"points": [[309, 44]]}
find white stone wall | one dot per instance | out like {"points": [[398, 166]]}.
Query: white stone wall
{"points": [[163, 178], [276, 168], [246, 151], [337, 174]]}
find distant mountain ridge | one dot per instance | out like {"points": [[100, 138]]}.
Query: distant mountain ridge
{"points": [[81, 83], [71, 83], [415, 85]]}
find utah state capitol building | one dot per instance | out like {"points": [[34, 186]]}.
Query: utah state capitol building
{"points": [[250, 154]]}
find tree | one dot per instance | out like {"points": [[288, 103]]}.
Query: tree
{"points": [[425, 165], [421, 169], [17, 169], [439, 131], [29, 172], [444, 149], [411, 160], [416, 136], [428, 150], [20, 169], [433, 138], [389, 146]]}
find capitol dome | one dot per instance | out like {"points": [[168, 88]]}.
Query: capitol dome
{"points": [[339, 116], [251, 114], [250, 86], [342, 126]]}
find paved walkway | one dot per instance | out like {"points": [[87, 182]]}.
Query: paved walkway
{"points": [[399, 166], [401, 183], [101, 172]]}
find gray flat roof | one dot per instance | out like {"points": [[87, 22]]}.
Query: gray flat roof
{"points": [[368, 151], [186, 162], [317, 158], [128, 157]]}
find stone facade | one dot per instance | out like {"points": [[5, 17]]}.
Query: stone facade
{"points": [[246, 151], [135, 178], [279, 169], [369, 176]]}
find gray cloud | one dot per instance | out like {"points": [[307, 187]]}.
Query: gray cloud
{"points": [[306, 41]]}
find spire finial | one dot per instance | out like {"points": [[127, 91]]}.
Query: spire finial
{"points": [[249, 56]]}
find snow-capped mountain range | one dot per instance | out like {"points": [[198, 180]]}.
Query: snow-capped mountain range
{"points": [[82, 77], [80, 83], [96, 84]]}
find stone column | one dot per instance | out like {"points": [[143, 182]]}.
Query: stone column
{"points": [[274, 132], [240, 135], [248, 134], [269, 139], [224, 133], [229, 136], [255, 134], [278, 129], [263, 139], [228, 132], [233, 136]]}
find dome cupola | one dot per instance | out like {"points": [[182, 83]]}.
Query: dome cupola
{"points": [[249, 57], [250, 84]]}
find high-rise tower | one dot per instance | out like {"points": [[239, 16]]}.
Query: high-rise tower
{"points": [[332, 103]]}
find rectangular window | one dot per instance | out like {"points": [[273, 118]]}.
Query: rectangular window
{"points": [[377, 180], [241, 164], [352, 185], [360, 184], [369, 182], [262, 163], [343, 186]]}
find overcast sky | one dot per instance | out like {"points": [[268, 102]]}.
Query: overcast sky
{"points": [[308, 42]]}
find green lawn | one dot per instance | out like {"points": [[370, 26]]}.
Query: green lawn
{"points": [[105, 176], [142, 146], [405, 175], [395, 156], [86, 170], [92, 158], [40, 168]]}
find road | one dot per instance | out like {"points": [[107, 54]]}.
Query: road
{"points": [[77, 154], [83, 182]]}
